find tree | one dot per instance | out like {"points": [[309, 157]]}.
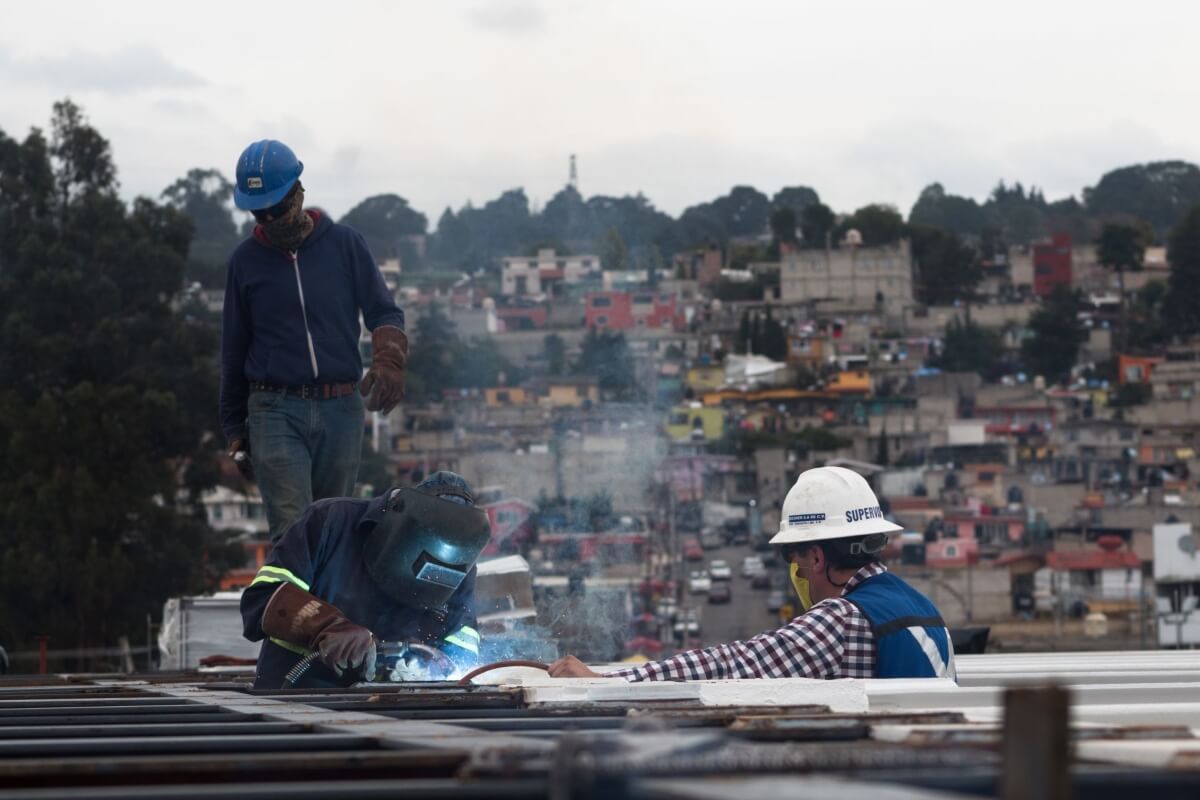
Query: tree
{"points": [[773, 341], [554, 350], [816, 224], [1149, 324], [947, 268], [797, 198], [205, 196], [431, 368], [1160, 192], [105, 393], [783, 226], [878, 223], [936, 209], [966, 347], [606, 355], [614, 255], [1056, 336], [1183, 285], [1121, 247], [742, 212], [387, 222]]}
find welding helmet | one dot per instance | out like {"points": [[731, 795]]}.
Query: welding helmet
{"points": [[266, 171], [833, 503], [426, 543]]}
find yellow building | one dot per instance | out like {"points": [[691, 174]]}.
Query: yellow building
{"points": [[501, 396], [705, 379], [850, 382], [571, 392], [695, 424]]}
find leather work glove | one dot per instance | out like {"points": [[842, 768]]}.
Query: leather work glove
{"points": [[303, 619], [239, 451], [383, 385]]}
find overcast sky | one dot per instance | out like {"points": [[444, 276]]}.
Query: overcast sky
{"points": [[455, 101]]}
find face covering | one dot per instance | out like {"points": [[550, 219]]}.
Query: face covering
{"points": [[801, 585], [289, 231]]}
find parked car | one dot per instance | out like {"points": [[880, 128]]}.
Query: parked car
{"points": [[692, 550], [775, 600], [699, 582], [720, 593], [666, 608], [719, 570], [761, 580], [751, 566], [688, 622], [711, 540]]}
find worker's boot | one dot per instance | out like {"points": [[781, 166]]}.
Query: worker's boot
{"points": [[298, 617]]}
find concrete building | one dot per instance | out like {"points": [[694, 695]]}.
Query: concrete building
{"points": [[546, 273], [849, 277]]}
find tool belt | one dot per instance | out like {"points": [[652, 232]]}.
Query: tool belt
{"points": [[308, 391]]}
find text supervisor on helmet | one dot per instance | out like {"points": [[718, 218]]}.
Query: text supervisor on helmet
{"points": [[290, 361], [859, 620], [352, 573]]}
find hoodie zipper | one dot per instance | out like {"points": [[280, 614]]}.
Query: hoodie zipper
{"points": [[312, 351]]}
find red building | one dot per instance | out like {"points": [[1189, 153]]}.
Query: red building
{"points": [[622, 311], [512, 525], [1052, 264]]}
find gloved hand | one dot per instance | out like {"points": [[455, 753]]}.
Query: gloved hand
{"points": [[239, 451], [301, 618], [383, 385]]}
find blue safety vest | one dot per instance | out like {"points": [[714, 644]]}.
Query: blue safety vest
{"points": [[911, 640]]}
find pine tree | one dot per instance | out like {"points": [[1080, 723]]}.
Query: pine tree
{"points": [[107, 399]]}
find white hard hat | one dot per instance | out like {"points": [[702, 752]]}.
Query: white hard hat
{"points": [[830, 503]]}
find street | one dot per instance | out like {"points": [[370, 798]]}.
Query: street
{"points": [[744, 615]]}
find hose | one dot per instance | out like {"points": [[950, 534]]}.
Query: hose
{"points": [[297, 672], [465, 680]]}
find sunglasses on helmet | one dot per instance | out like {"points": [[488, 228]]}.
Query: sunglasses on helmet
{"points": [[279, 209]]}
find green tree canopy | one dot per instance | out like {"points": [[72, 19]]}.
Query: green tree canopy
{"points": [[817, 222], [797, 198], [1057, 333], [1183, 295], [879, 224], [205, 196], [106, 394], [606, 355], [613, 252], [947, 268], [387, 221], [1160, 192], [960, 215], [966, 347]]}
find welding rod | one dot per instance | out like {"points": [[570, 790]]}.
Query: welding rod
{"points": [[465, 680]]}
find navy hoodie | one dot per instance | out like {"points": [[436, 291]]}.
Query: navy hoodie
{"points": [[292, 318]]}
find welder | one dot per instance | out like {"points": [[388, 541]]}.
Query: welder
{"points": [[858, 620], [353, 576]]}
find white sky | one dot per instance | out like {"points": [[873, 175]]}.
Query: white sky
{"points": [[454, 101]]}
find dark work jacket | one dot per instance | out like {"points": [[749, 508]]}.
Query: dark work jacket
{"points": [[322, 553], [276, 300]]}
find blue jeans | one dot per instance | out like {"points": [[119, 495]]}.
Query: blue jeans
{"points": [[303, 450]]}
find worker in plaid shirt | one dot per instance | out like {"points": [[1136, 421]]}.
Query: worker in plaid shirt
{"points": [[859, 620]]}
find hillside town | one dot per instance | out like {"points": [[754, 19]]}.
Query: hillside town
{"points": [[638, 429]]}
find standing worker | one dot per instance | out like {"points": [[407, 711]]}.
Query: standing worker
{"points": [[858, 620], [290, 361], [351, 574]]}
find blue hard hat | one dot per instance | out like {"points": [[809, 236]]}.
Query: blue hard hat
{"points": [[266, 172]]}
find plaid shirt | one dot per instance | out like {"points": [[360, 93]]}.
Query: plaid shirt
{"points": [[832, 639]]}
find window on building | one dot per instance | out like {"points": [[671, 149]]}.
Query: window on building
{"points": [[601, 321], [218, 512], [502, 397], [587, 263], [641, 322], [532, 264], [601, 302]]}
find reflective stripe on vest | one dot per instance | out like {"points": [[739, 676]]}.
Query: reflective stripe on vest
{"points": [[271, 574]]}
